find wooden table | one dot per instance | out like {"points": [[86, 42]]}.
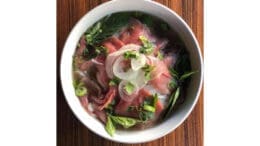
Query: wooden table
{"points": [[70, 132]]}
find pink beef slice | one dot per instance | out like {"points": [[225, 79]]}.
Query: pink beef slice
{"points": [[132, 33], [102, 77], [82, 46], [136, 29], [113, 44], [122, 106]]}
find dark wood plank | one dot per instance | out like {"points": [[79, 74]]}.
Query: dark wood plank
{"points": [[70, 132]]}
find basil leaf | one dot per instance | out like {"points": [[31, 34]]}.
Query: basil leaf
{"points": [[164, 26], [172, 101], [174, 73], [110, 128], [146, 115], [187, 75], [126, 122], [173, 84]]}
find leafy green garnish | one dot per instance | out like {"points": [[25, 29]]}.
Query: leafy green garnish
{"points": [[150, 103], [91, 51], [110, 109], [146, 115], [102, 30], [149, 108], [126, 122], [106, 27], [81, 91], [114, 81], [147, 47], [147, 71], [180, 73], [131, 54], [110, 128], [148, 21], [93, 32], [187, 75], [173, 83], [164, 26], [172, 101], [160, 55], [129, 88]]}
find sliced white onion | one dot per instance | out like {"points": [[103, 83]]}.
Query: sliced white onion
{"points": [[138, 63], [96, 62], [125, 48], [120, 73], [109, 63], [140, 80], [158, 64], [113, 56]]}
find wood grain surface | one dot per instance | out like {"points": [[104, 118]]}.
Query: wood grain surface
{"points": [[71, 132]]}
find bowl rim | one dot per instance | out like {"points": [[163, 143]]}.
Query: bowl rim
{"points": [[194, 102]]}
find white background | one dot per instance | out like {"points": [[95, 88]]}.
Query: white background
{"points": [[28, 77]]}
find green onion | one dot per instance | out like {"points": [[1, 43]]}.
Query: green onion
{"points": [[129, 88], [131, 54], [149, 108], [81, 91], [147, 47], [147, 71]]}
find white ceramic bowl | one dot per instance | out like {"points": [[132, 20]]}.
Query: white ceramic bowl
{"points": [[177, 24]]}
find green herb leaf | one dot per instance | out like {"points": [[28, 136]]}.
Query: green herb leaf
{"points": [[131, 54], [147, 47], [101, 50], [172, 101], [132, 108], [146, 115], [148, 21], [150, 103], [155, 99], [110, 128], [93, 32], [164, 26], [129, 88], [115, 81], [182, 64], [147, 71], [174, 73], [187, 75], [160, 56], [106, 27], [173, 83], [126, 122]]}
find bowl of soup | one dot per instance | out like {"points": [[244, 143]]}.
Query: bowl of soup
{"points": [[131, 71]]}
